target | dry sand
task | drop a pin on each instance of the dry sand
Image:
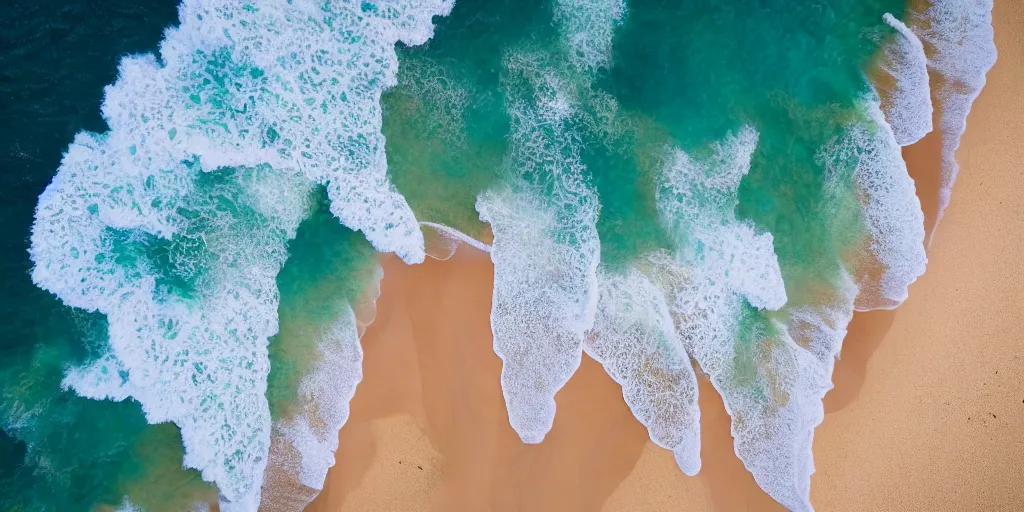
(927, 414)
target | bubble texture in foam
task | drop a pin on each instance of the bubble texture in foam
(198, 357)
(635, 338)
(908, 104)
(958, 37)
(773, 370)
(305, 442)
(128, 506)
(697, 202)
(723, 272)
(588, 27)
(774, 387)
(145, 224)
(545, 249)
(869, 153)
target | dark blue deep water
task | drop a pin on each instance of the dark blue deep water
(55, 59)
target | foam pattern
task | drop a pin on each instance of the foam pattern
(635, 338)
(545, 249)
(773, 390)
(772, 371)
(960, 43)
(308, 439)
(869, 154)
(175, 222)
(128, 506)
(697, 202)
(588, 27)
(448, 239)
(724, 273)
(909, 102)
(195, 355)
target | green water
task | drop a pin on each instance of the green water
(681, 74)
(329, 268)
(58, 451)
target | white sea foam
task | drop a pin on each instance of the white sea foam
(909, 103)
(773, 371)
(325, 393)
(309, 439)
(796, 352)
(128, 506)
(869, 154)
(446, 240)
(588, 27)
(723, 270)
(303, 443)
(960, 44)
(634, 337)
(545, 249)
(776, 401)
(201, 362)
(288, 93)
(697, 202)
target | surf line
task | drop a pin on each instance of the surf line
(457, 235)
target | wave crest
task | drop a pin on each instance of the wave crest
(175, 222)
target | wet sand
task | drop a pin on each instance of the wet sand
(928, 410)
(927, 414)
(428, 421)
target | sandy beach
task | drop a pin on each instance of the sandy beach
(927, 413)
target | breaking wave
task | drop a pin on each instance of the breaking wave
(668, 202)
(175, 223)
(961, 49)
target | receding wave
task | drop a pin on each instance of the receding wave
(908, 102)
(961, 49)
(635, 338)
(670, 196)
(545, 250)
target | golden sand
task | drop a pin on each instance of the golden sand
(927, 414)
(928, 411)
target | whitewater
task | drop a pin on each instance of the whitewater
(258, 128)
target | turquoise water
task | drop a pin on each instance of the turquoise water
(596, 108)
(669, 184)
(59, 451)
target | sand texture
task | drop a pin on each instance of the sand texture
(927, 414)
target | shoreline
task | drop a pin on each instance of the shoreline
(938, 394)
(924, 414)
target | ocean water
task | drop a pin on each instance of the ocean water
(195, 196)
(58, 450)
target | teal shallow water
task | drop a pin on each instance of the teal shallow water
(683, 72)
(667, 181)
